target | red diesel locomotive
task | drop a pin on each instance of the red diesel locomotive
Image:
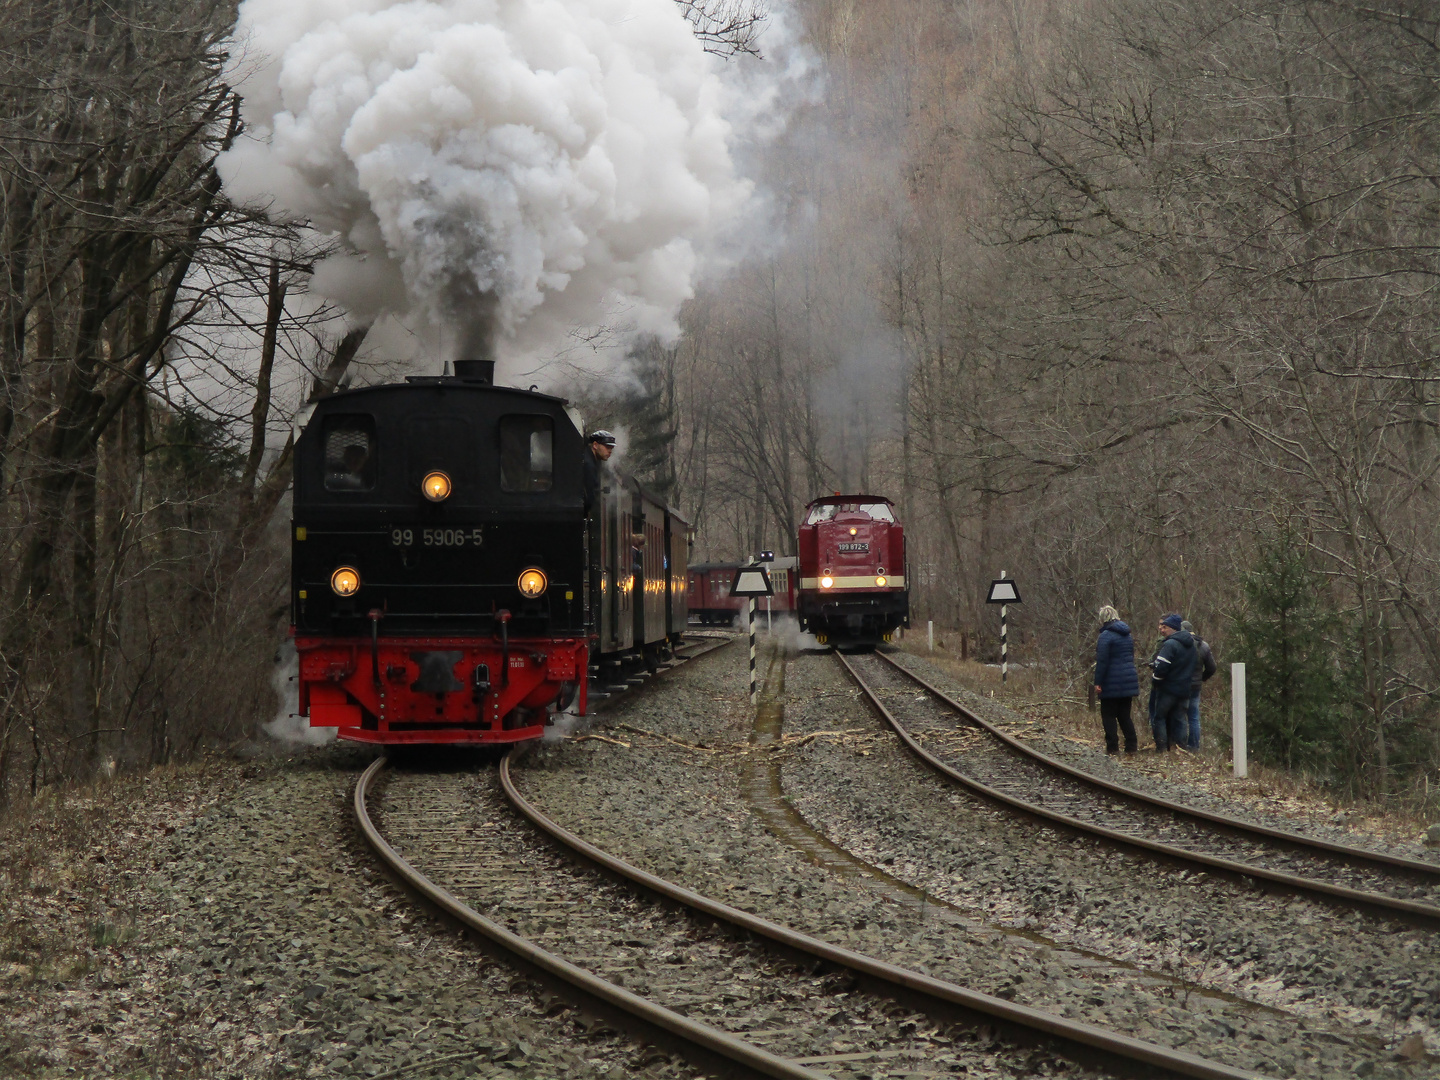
(449, 583)
(852, 571)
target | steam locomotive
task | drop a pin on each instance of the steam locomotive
(852, 570)
(448, 583)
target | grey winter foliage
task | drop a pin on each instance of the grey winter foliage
(157, 339)
(1161, 277)
(1099, 294)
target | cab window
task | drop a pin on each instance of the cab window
(820, 513)
(350, 463)
(878, 511)
(527, 453)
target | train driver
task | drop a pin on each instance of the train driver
(598, 448)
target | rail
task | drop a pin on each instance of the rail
(1393, 906)
(1087, 1038)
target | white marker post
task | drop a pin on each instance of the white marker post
(750, 582)
(930, 634)
(1004, 593)
(1237, 720)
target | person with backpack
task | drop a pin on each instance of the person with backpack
(1117, 684)
(1205, 667)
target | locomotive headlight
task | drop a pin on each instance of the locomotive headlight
(826, 582)
(436, 486)
(345, 581)
(853, 531)
(532, 583)
(880, 581)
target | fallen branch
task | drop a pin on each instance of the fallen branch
(602, 738)
(667, 738)
(789, 741)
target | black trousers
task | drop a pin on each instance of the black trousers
(1115, 711)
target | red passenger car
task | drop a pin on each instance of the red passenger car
(852, 570)
(709, 600)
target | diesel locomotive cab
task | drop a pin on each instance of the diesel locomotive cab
(853, 585)
(439, 571)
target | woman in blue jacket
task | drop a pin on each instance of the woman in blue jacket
(1116, 681)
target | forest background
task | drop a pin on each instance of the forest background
(1135, 299)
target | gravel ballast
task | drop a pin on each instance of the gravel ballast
(1184, 778)
(461, 833)
(679, 811)
(1323, 962)
(238, 927)
(227, 920)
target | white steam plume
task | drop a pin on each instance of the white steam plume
(503, 168)
(289, 726)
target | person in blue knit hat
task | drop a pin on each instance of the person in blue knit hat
(1174, 665)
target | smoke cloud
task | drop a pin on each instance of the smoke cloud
(288, 725)
(507, 169)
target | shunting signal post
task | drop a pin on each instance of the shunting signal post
(1004, 593)
(750, 582)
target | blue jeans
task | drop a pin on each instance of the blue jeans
(1171, 723)
(1194, 743)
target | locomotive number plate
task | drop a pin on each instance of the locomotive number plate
(854, 547)
(435, 537)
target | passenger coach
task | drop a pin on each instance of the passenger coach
(711, 604)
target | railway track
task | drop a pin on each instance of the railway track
(990, 762)
(716, 983)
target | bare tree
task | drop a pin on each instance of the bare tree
(726, 27)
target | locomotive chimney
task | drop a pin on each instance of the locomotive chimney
(481, 371)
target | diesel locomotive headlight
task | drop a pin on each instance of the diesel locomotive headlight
(345, 581)
(880, 581)
(436, 486)
(532, 583)
(853, 531)
(826, 582)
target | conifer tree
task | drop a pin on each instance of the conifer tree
(1285, 635)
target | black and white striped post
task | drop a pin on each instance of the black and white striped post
(1004, 640)
(1004, 593)
(750, 582)
(750, 620)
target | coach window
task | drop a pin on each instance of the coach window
(349, 453)
(527, 453)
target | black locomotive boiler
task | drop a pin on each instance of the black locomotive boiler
(448, 584)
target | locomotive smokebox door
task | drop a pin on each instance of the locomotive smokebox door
(437, 672)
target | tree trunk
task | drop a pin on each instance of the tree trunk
(260, 413)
